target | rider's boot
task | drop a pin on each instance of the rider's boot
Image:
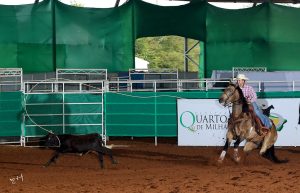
(260, 129)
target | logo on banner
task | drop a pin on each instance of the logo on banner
(195, 121)
(278, 121)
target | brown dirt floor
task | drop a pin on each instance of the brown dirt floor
(144, 167)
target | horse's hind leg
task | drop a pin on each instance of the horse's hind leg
(269, 140)
(249, 146)
(270, 155)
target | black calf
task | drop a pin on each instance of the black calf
(76, 144)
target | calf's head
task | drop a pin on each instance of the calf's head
(51, 140)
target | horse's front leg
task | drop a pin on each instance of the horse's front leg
(224, 151)
(229, 138)
(236, 156)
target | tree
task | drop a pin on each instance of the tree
(166, 52)
(76, 4)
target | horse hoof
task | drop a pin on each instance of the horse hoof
(220, 161)
(237, 159)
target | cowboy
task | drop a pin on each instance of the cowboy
(251, 98)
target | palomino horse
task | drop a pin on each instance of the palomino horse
(241, 126)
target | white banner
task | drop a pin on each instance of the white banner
(203, 122)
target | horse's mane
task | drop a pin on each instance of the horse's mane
(245, 107)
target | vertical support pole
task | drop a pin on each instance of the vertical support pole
(53, 33)
(22, 86)
(23, 134)
(201, 68)
(293, 85)
(130, 86)
(204, 52)
(103, 113)
(63, 103)
(186, 61)
(155, 116)
(56, 74)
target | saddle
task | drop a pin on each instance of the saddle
(260, 128)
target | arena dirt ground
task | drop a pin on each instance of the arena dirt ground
(143, 167)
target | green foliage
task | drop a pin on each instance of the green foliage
(166, 52)
(76, 4)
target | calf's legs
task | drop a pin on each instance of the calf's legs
(52, 159)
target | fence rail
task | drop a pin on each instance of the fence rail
(194, 85)
(99, 106)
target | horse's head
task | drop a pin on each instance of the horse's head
(230, 95)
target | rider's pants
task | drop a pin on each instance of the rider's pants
(264, 119)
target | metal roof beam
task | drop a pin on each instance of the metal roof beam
(117, 3)
(246, 1)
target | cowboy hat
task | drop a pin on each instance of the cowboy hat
(241, 77)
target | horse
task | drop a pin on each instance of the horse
(242, 126)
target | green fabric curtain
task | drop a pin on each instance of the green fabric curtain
(237, 38)
(11, 113)
(26, 37)
(94, 38)
(262, 36)
(284, 38)
(266, 35)
(186, 20)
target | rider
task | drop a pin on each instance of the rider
(251, 97)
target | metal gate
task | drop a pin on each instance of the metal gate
(63, 107)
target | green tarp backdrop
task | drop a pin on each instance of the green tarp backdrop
(48, 35)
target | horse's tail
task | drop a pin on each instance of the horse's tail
(270, 155)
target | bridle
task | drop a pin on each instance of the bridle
(236, 102)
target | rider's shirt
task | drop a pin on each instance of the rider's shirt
(249, 93)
